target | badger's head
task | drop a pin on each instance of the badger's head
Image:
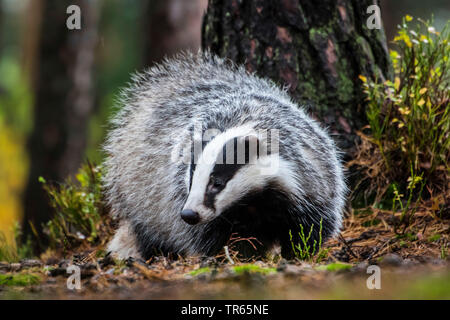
(234, 164)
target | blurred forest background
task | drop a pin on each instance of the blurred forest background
(57, 86)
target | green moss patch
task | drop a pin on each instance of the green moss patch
(19, 279)
(252, 268)
(334, 267)
(199, 271)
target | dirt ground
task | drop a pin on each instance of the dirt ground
(400, 279)
(412, 265)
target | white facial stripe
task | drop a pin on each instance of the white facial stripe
(252, 177)
(205, 165)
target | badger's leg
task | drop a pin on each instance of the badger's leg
(123, 244)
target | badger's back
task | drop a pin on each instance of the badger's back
(159, 112)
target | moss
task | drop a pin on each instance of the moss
(314, 33)
(345, 84)
(403, 244)
(364, 48)
(320, 38)
(225, 45)
(302, 17)
(199, 271)
(252, 268)
(434, 237)
(100, 253)
(311, 87)
(371, 223)
(336, 266)
(25, 279)
(407, 236)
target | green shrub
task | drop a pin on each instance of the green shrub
(307, 250)
(79, 216)
(408, 145)
(13, 252)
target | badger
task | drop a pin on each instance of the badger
(201, 152)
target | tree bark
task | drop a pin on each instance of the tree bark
(30, 38)
(317, 48)
(63, 102)
(173, 26)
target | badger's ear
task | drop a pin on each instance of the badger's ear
(247, 149)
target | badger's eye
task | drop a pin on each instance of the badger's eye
(216, 182)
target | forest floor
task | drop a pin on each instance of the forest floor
(413, 265)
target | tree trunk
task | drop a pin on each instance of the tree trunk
(63, 102)
(317, 48)
(30, 38)
(173, 25)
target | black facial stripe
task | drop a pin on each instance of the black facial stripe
(209, 199)
(224, 171)
(191, 175)
(221, 174)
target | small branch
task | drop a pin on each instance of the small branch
(227, 255)
(347, 245)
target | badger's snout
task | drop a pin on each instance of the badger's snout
(190, 216)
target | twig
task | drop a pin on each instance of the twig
(227, 255)
(233, 240)
(349, 248)
(377, 249)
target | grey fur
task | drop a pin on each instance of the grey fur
(144, 187)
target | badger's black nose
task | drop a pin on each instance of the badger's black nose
(190, 216)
